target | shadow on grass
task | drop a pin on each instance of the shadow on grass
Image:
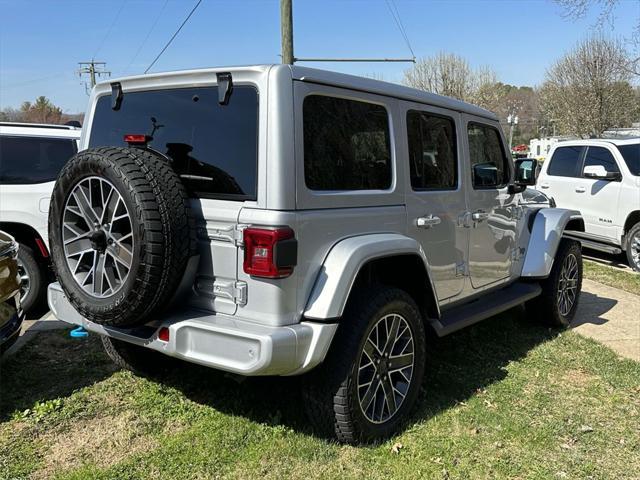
(50, 366)
(459, 365)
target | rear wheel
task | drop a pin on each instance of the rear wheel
(633, 247)
(121, 234)
(33, 285)
(371, 377)
(140, 360)
(557, 304)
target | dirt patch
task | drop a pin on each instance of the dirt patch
(103, 441)
(577, 378)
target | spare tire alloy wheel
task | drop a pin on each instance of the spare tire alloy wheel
(121, 234)
(98, 237)
(385, 368)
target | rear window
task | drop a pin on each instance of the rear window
(25, 160)
(214, 148)
(346, 144)
(564, 162)
(631, 155)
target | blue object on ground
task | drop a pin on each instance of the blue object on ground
(79, 332)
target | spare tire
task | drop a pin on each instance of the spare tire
(121, 233)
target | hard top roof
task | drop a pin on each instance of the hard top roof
(326, 77)
(39, 129)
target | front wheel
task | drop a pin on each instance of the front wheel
(633, 247)
(557, 304)
(371, 377)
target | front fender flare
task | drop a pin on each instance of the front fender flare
(338, 272)
(548, 226)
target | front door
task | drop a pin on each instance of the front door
(597, 199)
(493, 211)
(435, 195)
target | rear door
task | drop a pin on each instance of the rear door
(213, 148)
(435, 199)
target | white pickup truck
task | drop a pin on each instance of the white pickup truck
(601, 179)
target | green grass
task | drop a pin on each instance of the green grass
(503, 399)
(627, 281)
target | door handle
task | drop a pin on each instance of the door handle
(544, 185)
(581, 189)
(479, 216)
(427, 222)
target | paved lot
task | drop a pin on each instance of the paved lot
(610, 316)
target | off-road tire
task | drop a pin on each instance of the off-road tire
(633, 242)
(140, 360)
(37, 279)
(544, 308)
(329, 392)
(162, 225)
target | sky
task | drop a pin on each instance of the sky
(42, 41)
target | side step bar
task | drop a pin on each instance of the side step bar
(486, 306)
(601, 247)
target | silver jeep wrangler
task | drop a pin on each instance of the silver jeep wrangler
(280, 220)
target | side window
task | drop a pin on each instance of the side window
(346, 144)
(489, 165)
(601, 156)
(564, 162)
(432, 151)
(25, 160)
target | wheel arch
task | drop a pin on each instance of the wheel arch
(358, 261)
(547, 230)
(632, 219)
(27, 235)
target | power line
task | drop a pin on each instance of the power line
(174, 35)
(144, 42)
(398, 21)
(115, 19)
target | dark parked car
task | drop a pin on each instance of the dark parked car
(11, 314)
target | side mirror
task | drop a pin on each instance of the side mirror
(598, 172)
(526, 171)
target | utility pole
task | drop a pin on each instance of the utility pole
(286, 31)
(512, 120)
(93, 69)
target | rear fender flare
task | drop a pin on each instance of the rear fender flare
(343, 263)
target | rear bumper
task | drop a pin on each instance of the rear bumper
(223, 342)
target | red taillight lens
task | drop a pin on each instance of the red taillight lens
(269, 252)
(163, 334)
(136, 139)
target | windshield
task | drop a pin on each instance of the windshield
(631, 155)
(213, 147)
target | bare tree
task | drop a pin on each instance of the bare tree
(587, 91)
(577, 9)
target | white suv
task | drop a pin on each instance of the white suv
(601, 179)
(31, 155)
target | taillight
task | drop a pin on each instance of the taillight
(269, 252)
(163, 334)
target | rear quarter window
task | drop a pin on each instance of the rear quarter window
(346, 144)
(213, 147)
(27, 160)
